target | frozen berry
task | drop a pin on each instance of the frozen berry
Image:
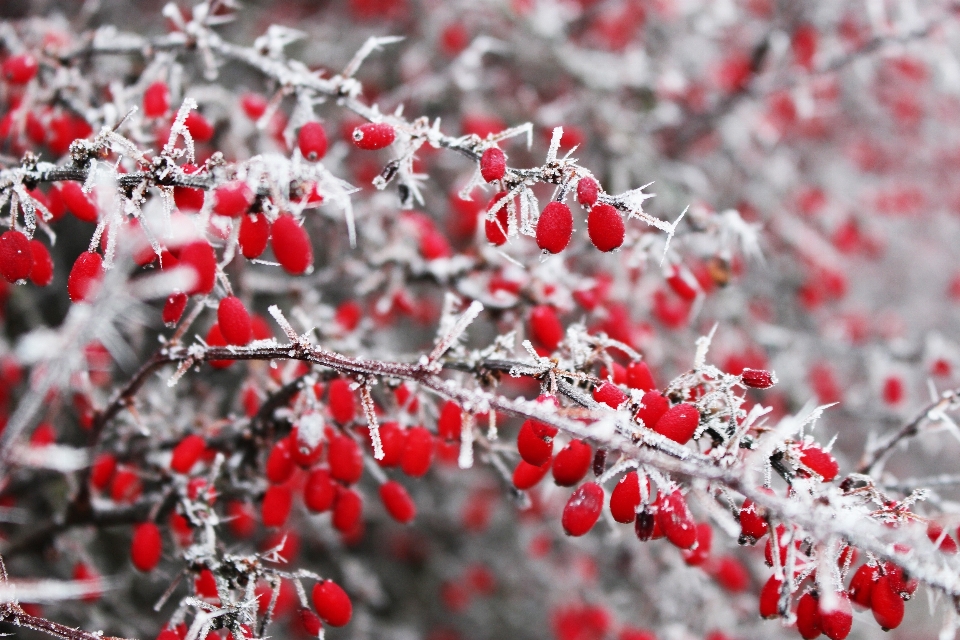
(677, 521)
(554, 227)
(605, 227)
(85, 277)
(16, 256)
(332, 603)
(173, 308)
(640, 377)
(582, 509)
(679, 422)
(653, 405)
(79, 203)
(253, 236)
(587, 192)
(234, 321)
(374, 135)
(232, 199)
(41, 273)
(610, 395)
(758, 378)
(200, 257)
(493, 164)
(572, 463)
(312, 141)
(291, 245)
(626, 497)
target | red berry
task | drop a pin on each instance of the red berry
(653, 405)
(836, 616)
(610, 395)
(291, 245)
(640, 377)
(280, 464)
(392, 440)
(944, 542)
(80, 204)
(254, 105)
(819, 461)
(214, 338)
(347, 509)
(554, 227)
(450, 422)
(206, 585)
(605, 227)
(770, 598)
(200, 257)
(496, 230)
(41, 274)
(186, 453)
(173, 308)
(887, 605)
(346, 459)
(277, 502)
(85, 276)
(20, 69)
(417, 452)
(126, 486)
(332, 603)
(677, 521)
(242, 521)
(493, 164)
(146, 546)
(199, 127)
(156, 100)
(234, 321)
(535, 442)
(701, 552)
(374, 135)
(319, 491)
(310, 621)
(808, 616)
(232, 199)
(312, 141)
(102, 470)
(397, 501)
(254, 233)
(587, 192)
(679, 422)
(82, 571)
(582, 509)
(342, 401)
(758, 378)
(625, 498)
(753, 524)
(545, 327)
(16, 256)
(526, 476)
(572, 463)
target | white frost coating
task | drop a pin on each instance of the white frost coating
(41, 591)
(56, 457)
(310, 429)
(465, 459)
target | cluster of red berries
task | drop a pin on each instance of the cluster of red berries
(555, 225)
